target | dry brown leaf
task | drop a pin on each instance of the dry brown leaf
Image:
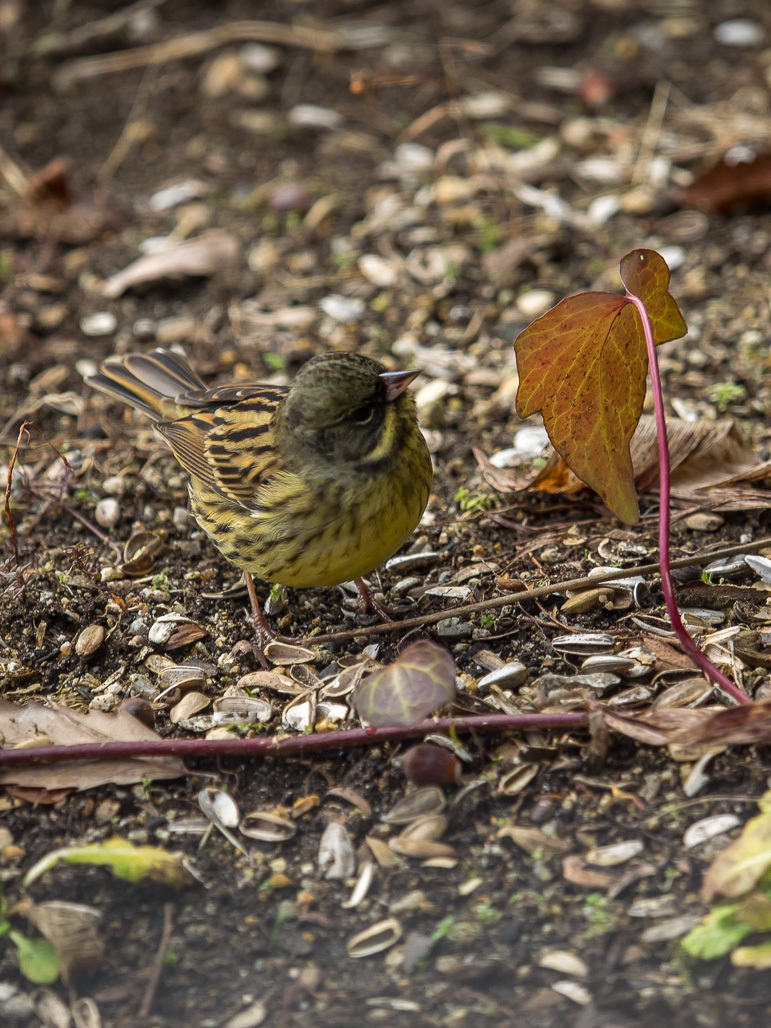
(203, 256)
(747, 724)
(657, 727)
(709, 461)
(65, 727)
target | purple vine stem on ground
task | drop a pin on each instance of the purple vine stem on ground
(690, 647)
(272, 746)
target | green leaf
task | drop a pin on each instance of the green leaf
(740, 866)
(419, 681)
(37, 959)
(126, 861)
(758, 957)
(717, 934)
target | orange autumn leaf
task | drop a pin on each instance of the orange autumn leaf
(583, 365)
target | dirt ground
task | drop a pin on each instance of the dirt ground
(486, 159)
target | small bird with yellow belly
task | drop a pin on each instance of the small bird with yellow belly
(309, 485)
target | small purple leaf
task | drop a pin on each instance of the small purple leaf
(419, 681)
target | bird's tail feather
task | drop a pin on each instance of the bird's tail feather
(149, 382)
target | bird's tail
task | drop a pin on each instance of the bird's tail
(155, 383)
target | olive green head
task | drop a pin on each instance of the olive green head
(344, 407)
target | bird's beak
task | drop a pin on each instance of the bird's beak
(396, 382)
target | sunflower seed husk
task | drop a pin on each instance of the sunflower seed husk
(607, 663)
(728, 567)
(584, 643)
(244, 707)
(89, 640)
(518, 778)
(424, 849)
(565, 962)
(634, 696)
(615, 853)
(427, 800)
(285, 653)
(300, 714)
(760, 565)
(347, 680)
(430, 826)
(690, 693)
(269, 680)
(361, 888)
(162, 630)
(381, 851)
(192, 703)
(219, 807)
(336, 857)
(597, 682)
(700, 617)
(708, 828)
(181, 676)
(375, 939)
(267, 826)
(139, 553)
(408, 561)
(509, 676)
(304, 676)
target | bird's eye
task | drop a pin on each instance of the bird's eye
(363, 415)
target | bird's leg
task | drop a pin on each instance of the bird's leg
(366, 601)
(264, 632)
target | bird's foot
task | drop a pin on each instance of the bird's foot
(366, 603)
(264, 632)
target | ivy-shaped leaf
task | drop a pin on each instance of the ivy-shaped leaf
(420, 680)
(583, 365)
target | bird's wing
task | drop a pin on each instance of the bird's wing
(228, 445)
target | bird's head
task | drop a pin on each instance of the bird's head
(345, 407)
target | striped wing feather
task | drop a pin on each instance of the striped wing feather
(230, 447)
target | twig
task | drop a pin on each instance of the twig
(92, 30)
(8, 484)
(286, 746)
(651, 132)
(532, 594)
(157, 967)
(128, 136)
(195, 44)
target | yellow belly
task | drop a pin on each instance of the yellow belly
(309, 538)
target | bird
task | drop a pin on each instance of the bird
(308, 485)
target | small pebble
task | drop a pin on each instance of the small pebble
(378, 270)
(454, 628)
(314, 117)
(342, 308)
(175, 330)
(144, 329)
(260, 59)
(704, 522)
(107, 512)
(740, 32)
(114, 486)
(103, 323)
(174, 195)
(180, 517)
(535, 302)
